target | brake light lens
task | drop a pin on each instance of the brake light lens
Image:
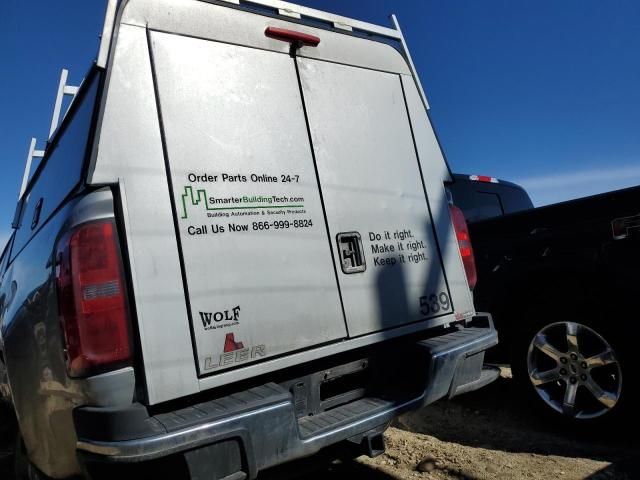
(292, 36)
(464, 242)
(92, 299)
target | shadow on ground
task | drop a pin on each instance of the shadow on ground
(496, 418)
(323, 468)
(476, 428)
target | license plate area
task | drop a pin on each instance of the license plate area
(330, 388)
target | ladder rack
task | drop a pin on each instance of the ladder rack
(33, 153)
(63, 90)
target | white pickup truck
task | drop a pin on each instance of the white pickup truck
(237, 250)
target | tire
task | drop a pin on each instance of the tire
(573, 369)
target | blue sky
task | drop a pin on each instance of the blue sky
(545, 93)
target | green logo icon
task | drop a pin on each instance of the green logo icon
(200, 196)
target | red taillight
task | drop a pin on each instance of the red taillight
(92, 299)
(292, 36)
(464, 242)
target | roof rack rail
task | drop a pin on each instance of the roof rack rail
(63, 89)
(33, 153)
(338, 21)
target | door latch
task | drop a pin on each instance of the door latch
(351, 252)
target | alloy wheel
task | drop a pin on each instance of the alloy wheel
(574, 370)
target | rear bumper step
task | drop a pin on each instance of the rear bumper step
(260, 424)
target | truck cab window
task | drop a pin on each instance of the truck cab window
(485, 205)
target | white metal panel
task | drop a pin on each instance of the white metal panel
(436, 173)
(230, 25)
(107, 33)
(310, 13)
(298, 10)
(371, 184)
(256, 254)
(129, 152)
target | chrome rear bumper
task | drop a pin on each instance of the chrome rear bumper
(260, 424)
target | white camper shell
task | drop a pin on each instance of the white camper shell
(294, 276)
(239, 167)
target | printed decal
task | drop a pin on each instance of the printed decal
(234, 352)
(232, 205)
(223, 319)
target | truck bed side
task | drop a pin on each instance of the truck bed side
(582, 249)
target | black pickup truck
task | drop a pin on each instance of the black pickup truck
(562, 282)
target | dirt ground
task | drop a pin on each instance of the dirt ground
(484, 435)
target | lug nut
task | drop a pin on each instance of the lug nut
(583, 377)
(584, 365)
(563, 371)
(574, 357)
(563, 360)
(573, 380)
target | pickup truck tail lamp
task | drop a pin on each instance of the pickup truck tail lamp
(92, 299)
(464, 242)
